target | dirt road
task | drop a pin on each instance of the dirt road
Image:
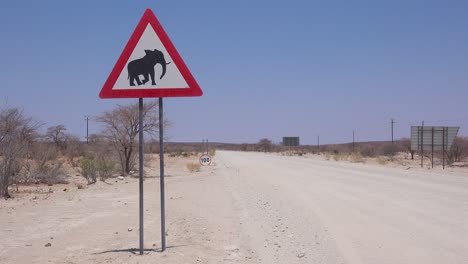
(249, 208)
(351, 213)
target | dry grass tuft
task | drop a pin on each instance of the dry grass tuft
(356, 157)
(340, 156)
(381, 160)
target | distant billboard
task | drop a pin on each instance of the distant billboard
(432, 137)
(291, 141)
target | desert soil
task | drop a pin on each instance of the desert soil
(247, 208)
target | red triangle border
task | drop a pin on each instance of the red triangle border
(193, 87)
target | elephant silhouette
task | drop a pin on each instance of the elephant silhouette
(145, 66)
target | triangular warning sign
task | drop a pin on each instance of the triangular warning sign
(150, 66)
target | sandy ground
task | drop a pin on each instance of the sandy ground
(248, 208)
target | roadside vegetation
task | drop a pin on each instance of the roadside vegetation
(29, 156)
(381, 152)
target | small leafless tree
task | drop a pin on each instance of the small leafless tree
(121, 129)
(74, 149)
(265, 145)
(404, 144)
(17, 133)
(56, 134)
(459, 150)
(42, 166)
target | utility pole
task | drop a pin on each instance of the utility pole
(353, 140)
(204, 146)
(318, 144)
(422, 144)
(392, 121)
(87, 129)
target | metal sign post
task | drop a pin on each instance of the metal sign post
(151, 46)
(161, 174)
(433, 138)
(432, 148)
(443, 148)
(422, 144)
(140, 169)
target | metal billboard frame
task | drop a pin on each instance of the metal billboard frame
(433, 138)
(291, 141)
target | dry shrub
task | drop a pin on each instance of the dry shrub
(50, 173)
(193, 167)
(148, 160)
(92, 168)
(339, 156)
(327, 156)
(292, 153)
(368, 151)
(381, 160)
(336, 157)
(89, 170)
(179, 153)
(74, 149)
(388, 150)
(356, 157)
(402, 162)
(44, 167)
(105, 168)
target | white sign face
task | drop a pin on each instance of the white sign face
(144, 68)
(432, 137)
(205, 160)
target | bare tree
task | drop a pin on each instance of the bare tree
(57, 135)
(17, 133)
(121, 129)
(74, 149)
(459, 150)
(265, 145)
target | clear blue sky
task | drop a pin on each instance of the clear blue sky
(267, 68)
